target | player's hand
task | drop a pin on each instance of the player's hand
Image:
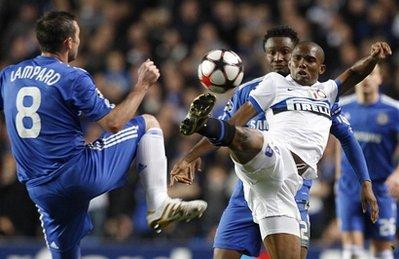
(393, 184)
(369, 201)
(184, 171)
(380, 50)
(148, 73)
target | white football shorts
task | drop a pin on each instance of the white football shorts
(271, 181)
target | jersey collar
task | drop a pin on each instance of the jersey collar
(48, 58)
(290, 79)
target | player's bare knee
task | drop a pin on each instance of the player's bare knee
(150, 121)
(247, 139)
(240, 139)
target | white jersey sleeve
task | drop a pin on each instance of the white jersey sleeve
(264, 94)
(331, 89)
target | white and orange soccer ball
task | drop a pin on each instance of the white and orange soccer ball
(220, 70)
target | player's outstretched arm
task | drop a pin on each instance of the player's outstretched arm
(361, 69)
(342, 131)
(114, 121)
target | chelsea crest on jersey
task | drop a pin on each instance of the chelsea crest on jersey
(301, 114)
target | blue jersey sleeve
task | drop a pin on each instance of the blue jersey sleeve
(342, 131)
(88, 99)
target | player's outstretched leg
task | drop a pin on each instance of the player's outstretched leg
(152, 167)
(244, 143)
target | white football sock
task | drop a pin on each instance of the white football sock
(347, 252)
(152, 166)
(359, 252)
(353, 251)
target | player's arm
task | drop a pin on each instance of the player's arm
(115, 120)
(246, 112)
(362, 68)
(342, 131)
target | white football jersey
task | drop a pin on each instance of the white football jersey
(301, 115)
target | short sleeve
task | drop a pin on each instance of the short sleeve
(263, 95)
(332, 90)
(88, 99)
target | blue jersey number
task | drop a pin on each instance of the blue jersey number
(28, 112)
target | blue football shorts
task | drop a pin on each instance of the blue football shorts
(101, 167)
(351, 217)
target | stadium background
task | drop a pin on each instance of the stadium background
(116, 36)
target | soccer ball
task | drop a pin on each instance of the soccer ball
(220, 70)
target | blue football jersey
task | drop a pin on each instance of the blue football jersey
(43, 99)
(376, 127)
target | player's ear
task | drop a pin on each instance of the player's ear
(68, 43)
(322, 69)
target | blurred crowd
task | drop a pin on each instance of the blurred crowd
(118, 35)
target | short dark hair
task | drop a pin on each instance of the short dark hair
(53, 28)
(281, 31)
(314, 45)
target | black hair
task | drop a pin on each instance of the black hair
(281, 31)
(53, 28)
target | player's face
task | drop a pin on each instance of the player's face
(306, 64)
(278, 53)
(74, 43)
(371, 83)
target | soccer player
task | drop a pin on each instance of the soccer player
(237, 233)
(43, 99)
(269, 163)
(374, 119)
